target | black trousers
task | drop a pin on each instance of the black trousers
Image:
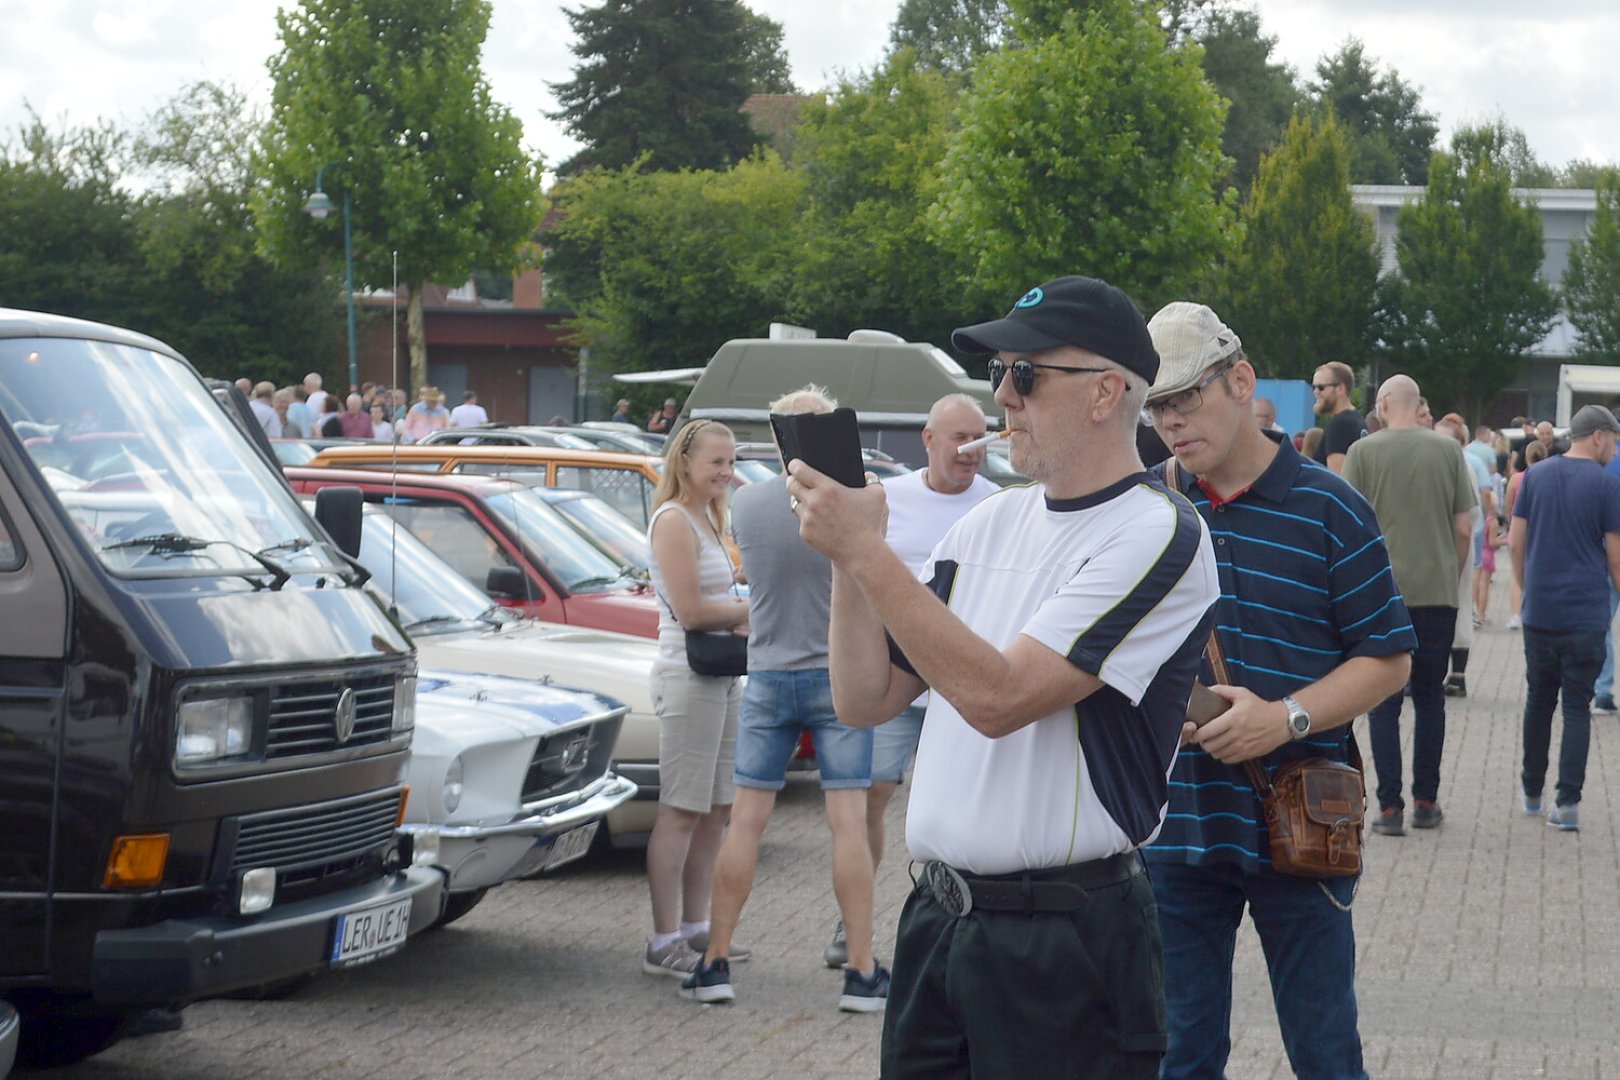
(1002, 994)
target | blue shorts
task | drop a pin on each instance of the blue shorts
(894, 743)
(776, 707)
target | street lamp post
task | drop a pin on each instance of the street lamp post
(318, 207)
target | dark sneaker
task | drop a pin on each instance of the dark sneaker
(699, 943)
(865, 993)
(1426, 814)
(1567, 818)
(710, 983)
(1603, 704)
(676, 958)
(1532, 803)
(1390, 822)
(836, 954)
(1456, 686)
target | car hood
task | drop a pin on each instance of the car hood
(616, 665)
(484, 707)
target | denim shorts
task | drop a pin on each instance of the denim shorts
(776, 707)
(894, 743)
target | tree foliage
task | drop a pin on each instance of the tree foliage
(1467, 301)
(1261, 92)
(1592, 281)
(1299, 287)
(390, 98)
(1391, 137)
(948, 35)
(662, 82)
(768, 69)
(870, 157)
(1088, 148)
(661, 267)
(1500, 141)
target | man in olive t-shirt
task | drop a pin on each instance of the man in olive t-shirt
(1418, 486)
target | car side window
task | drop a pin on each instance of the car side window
(10, 554)
(455, 536)
(626, 490)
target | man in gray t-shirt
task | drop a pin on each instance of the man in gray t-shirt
(789, 692)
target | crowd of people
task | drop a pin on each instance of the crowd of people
(385, 413)
(1083, 852)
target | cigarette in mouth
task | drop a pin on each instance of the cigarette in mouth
(984, 441)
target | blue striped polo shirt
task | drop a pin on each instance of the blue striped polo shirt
(1305, 585)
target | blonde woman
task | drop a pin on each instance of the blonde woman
(697, 714)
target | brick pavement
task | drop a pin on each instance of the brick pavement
(1489, 948)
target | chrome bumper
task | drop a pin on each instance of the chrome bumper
(547, 817)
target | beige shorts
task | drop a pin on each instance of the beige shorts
(697, 737)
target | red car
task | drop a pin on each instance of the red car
(506, 541)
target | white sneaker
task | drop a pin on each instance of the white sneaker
(1515, 623)
(676, 958)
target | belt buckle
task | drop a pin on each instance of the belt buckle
(950, 888)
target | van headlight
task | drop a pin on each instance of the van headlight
(404, 705)
(453, 785)
(211, 729)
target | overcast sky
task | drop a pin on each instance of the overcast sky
(1548, 66)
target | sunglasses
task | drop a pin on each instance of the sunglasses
(1023, 373)
(1323, 387)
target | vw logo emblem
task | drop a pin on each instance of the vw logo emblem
(343, 716)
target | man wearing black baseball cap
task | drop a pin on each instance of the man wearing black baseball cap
(1060, 633)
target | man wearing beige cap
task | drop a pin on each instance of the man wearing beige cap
(1565, 544)
(1313, 633)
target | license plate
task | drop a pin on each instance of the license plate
(371, 933)
(571, 845)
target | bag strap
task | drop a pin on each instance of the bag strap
(718, 543)
(1217, 665)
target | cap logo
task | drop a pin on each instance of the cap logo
(1031, 298)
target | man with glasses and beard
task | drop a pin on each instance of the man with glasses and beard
(1332, 385)
(1314, 633)
(1059, 627)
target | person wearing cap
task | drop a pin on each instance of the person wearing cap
(1058, 627)
(662, 421)
(1314, 633)
(1420, 488)
(426, 416)
(1565, 544)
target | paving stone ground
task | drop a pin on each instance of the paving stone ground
(1489, 949)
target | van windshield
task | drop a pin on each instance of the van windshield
(148, 466)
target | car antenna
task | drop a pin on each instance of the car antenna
(393, 449)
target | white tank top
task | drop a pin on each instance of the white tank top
(714, 580)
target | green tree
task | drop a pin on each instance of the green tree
(948, 35)
(1299, 287)
(1088, 148)
(768, 69)
(1502, 142)
(662, 267)
(390, 98)
(1582, 173)
(1261, 91)
(1467, 301)
(870, 158)
(658, 79)
(68, 241)
(214, 295)
(1592, 281)
(1390, 135)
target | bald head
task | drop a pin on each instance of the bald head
(1398, 400)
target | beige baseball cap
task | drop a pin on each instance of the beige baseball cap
(1190, 339)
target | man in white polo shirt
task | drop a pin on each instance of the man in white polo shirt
(1060, 632)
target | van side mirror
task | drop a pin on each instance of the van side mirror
(508, 581)
(339, 511)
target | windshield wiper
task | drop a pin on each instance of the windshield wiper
(495, 615)
(431, 620)
(173, 543)
(592, 582)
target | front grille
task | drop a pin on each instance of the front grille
(568, 760)
(302, 715)
(309, 843)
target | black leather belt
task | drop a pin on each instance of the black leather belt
(1058, 888)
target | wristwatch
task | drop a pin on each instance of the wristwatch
(1299, 721)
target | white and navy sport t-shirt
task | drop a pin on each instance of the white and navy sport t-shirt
(1122, 583)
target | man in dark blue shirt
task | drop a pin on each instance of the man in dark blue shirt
(1565, 543)
(1314, 633)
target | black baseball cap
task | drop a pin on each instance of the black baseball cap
(1071, 310)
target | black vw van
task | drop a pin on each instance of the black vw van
(204, 720)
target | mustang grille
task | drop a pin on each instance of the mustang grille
(307, 843)
(569, 760)
(302, 715)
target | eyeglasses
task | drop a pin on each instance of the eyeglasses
(1322, 388)
(1189, 399)
(1023, 373)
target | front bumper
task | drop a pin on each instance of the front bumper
(182, 960)
(478, 856)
